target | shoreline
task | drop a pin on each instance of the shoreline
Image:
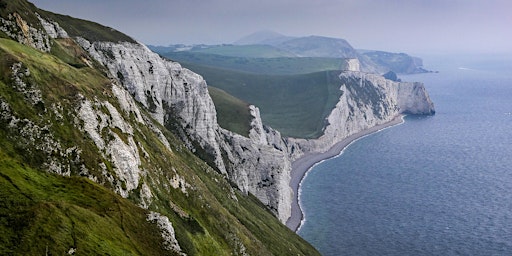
(303, 165)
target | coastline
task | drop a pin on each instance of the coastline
(303, 165)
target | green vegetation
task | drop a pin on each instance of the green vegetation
(294, 94)
(44, 213)
(272, 66)
(75, 27)
(91, 31)
(232, 113)
(295, 105)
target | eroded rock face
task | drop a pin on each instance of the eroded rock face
(367, 100)
(17, 28)
(177, 96)
(178, 99)
(260, 164)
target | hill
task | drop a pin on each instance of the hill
(295, 105)
(86, 167)
(271, 66)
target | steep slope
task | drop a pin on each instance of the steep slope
(133, 94)
(65, 112)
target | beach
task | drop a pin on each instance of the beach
(302, 165)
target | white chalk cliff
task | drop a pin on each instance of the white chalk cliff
(178, 99)
(260, 164)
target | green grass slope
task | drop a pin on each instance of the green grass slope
(258, 65)
(296, 105)
(232, 113)
(43, 212)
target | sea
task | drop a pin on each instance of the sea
(434, 185)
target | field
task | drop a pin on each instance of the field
(295, 105)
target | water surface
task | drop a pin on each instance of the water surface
(439, 185)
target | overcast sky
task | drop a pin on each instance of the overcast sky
(413, 26)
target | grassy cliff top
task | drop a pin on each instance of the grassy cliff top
(89, 30)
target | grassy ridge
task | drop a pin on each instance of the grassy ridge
(294, 94)
(232, 113)
(45, 213)
(296, 105)
(273, 66)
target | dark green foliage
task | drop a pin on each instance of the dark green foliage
(232, 113)
(275, 66)
(42, 213)
(295, 105)
(91, 31)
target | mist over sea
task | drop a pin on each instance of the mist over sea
(437, 185)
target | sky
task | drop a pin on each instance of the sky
(412, 26)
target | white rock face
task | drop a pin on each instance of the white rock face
(167, 231)
(260, 164)
(177, 96)
(124, 155)
(351, 65)
(367, 100)
(17, 28)
(52, 28)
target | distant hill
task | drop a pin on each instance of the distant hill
(296, 105)
(318, 46)
(266, 37)
(268, 44)
(275, 66)
(396, 62)
(250, 51)
(287, 78)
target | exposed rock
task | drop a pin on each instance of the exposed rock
(168, 234)
(350, 65)
(124, 154)
(367, 100)
(52, 28)
(177, 96)
(17, 28)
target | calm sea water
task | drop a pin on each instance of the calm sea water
(439, 185)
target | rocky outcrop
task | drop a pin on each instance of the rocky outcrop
(16, 27)
(367, 100)
(178, 99)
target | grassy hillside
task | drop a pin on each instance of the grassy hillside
(296, 105)
(273, 66)
(44, 213)
(232, 113)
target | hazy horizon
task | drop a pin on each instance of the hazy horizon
(412, 26)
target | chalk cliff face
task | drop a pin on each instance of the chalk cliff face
(173, 93)
(178, 99)
(260, 164)
(96, 110)
(367, 100)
